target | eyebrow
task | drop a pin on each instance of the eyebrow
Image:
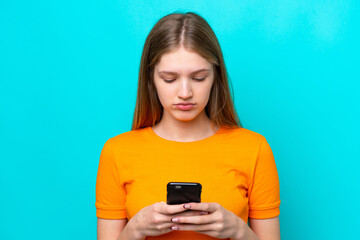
(197, 71)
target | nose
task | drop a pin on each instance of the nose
(185, 89)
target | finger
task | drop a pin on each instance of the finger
(167, 209)
(197, 228)
(195, 219)
(206, 206)
(157, 229)
(164, 226)
(189, 213)
(160, 218)
(186, 214)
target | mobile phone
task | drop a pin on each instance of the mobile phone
(183, 192)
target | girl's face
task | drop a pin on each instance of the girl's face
(183, 76)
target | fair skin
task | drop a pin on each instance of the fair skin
(187, 85)
(191, 80)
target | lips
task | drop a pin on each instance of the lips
(183, 106)
(185, 103)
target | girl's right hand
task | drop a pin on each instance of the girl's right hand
(155, 219)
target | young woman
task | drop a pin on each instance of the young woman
(185, 129)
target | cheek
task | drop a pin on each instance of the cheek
(164, 96)
(205, 95)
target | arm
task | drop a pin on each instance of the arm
(265, 229)
(110, 229)
(264, 196)
(110, 196)
(152, 220)
(259, 229)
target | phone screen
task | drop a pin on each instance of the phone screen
(183, 192)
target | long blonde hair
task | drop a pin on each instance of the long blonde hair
(195, 34)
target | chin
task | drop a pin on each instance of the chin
(185, 117)
(185, 120)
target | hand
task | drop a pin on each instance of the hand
(155, 219)
(218, 223)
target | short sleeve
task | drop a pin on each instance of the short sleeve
(264, 189)
(110, 194)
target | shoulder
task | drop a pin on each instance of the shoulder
(132, 135)
(243, 134)
(128, 138)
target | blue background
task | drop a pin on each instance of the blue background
(68, 78)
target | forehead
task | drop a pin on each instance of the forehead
(182, 61)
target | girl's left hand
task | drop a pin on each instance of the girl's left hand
(216, 221)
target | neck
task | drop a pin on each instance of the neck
(185, 131)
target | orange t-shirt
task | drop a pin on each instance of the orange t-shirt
(235, 167)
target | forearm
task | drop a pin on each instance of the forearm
(130, 232)
(244, 232)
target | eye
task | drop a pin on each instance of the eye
(169, 80)
(196, 79)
